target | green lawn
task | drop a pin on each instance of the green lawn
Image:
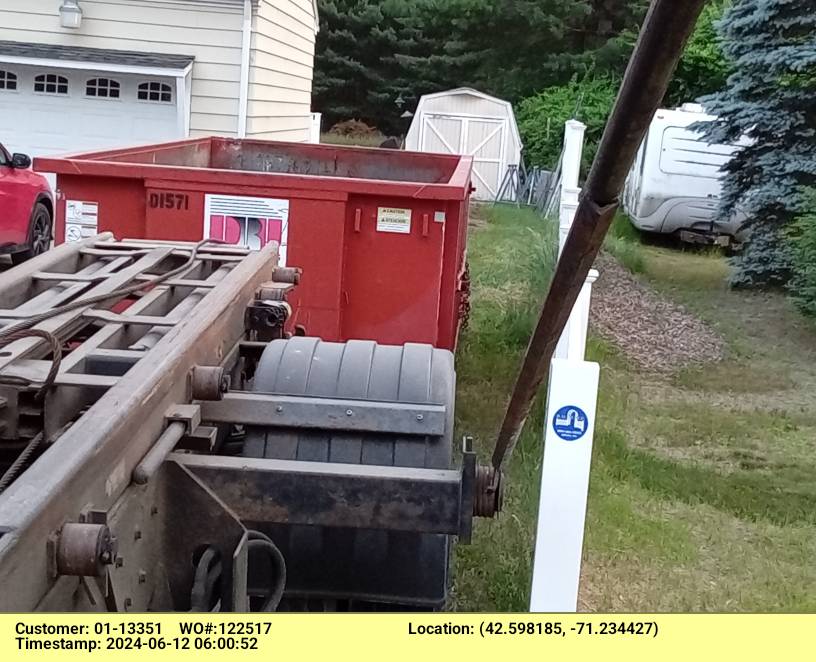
(512, 254)
(702, 493)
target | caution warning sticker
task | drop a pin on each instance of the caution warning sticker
(391, 219)
(81, 219)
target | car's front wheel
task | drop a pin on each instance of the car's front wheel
(40, 235)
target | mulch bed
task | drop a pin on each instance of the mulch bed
(658, 335)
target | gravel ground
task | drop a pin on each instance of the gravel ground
(657, 334)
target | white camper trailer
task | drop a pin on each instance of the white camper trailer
(674, 184)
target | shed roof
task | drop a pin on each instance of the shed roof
(476, 93)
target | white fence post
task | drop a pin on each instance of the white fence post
(571, 402)
(569, 204)
(578, 326)
(314, 128)
(570, 173)
(573, 149)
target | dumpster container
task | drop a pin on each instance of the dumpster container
(380, 234)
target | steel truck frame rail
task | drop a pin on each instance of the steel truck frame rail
(113, 515)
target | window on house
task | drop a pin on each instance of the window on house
(153, 91)
(102, 87)
(8, 80)
(51, 84)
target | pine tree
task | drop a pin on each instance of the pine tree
(356, 70)
(607, 32)
(440, 54)
(770, 97)
(525, 45)
(703, 69)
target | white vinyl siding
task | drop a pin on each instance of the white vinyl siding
(281, 66)
(208, 31)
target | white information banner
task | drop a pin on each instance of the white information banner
(571, 404)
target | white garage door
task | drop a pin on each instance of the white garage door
(482, 138)
(47, 111)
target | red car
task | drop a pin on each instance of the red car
(26, 208)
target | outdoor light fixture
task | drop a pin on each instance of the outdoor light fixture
(70, 14)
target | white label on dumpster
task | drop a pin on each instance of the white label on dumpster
(390, 219)
(241, 220)
(81, 219)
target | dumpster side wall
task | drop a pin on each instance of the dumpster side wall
(87, 205)
(382, 259)
(453, 274)
(392, 274)
(375, 267)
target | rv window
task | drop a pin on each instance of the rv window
(684, 153)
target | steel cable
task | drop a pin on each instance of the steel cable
(19, 463)
(262, 542)
(22, 329)
(208, 571)
(56, 352)
(115, 294)
(207, 574)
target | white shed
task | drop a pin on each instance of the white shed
(466, 121)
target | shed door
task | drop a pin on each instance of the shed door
(483, 138)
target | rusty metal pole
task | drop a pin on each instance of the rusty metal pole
(666, 28)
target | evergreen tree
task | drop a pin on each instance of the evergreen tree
(369, 54)
(356, 70)
(440, 54)
(770, 97)
(606, 34)
(703, 69)
(524, 45)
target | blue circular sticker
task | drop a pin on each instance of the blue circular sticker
(570, 423)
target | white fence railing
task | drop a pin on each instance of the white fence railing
(571, 403)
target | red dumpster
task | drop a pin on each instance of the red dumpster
(380, 234)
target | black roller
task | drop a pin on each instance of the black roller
(354, 565)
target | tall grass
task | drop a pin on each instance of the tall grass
(512, 261)
(623, 241)
(512, 258)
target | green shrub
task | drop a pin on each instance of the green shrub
(541, 118)
(802, 238)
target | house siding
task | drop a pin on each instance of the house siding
(209, 31)
(281, 66)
